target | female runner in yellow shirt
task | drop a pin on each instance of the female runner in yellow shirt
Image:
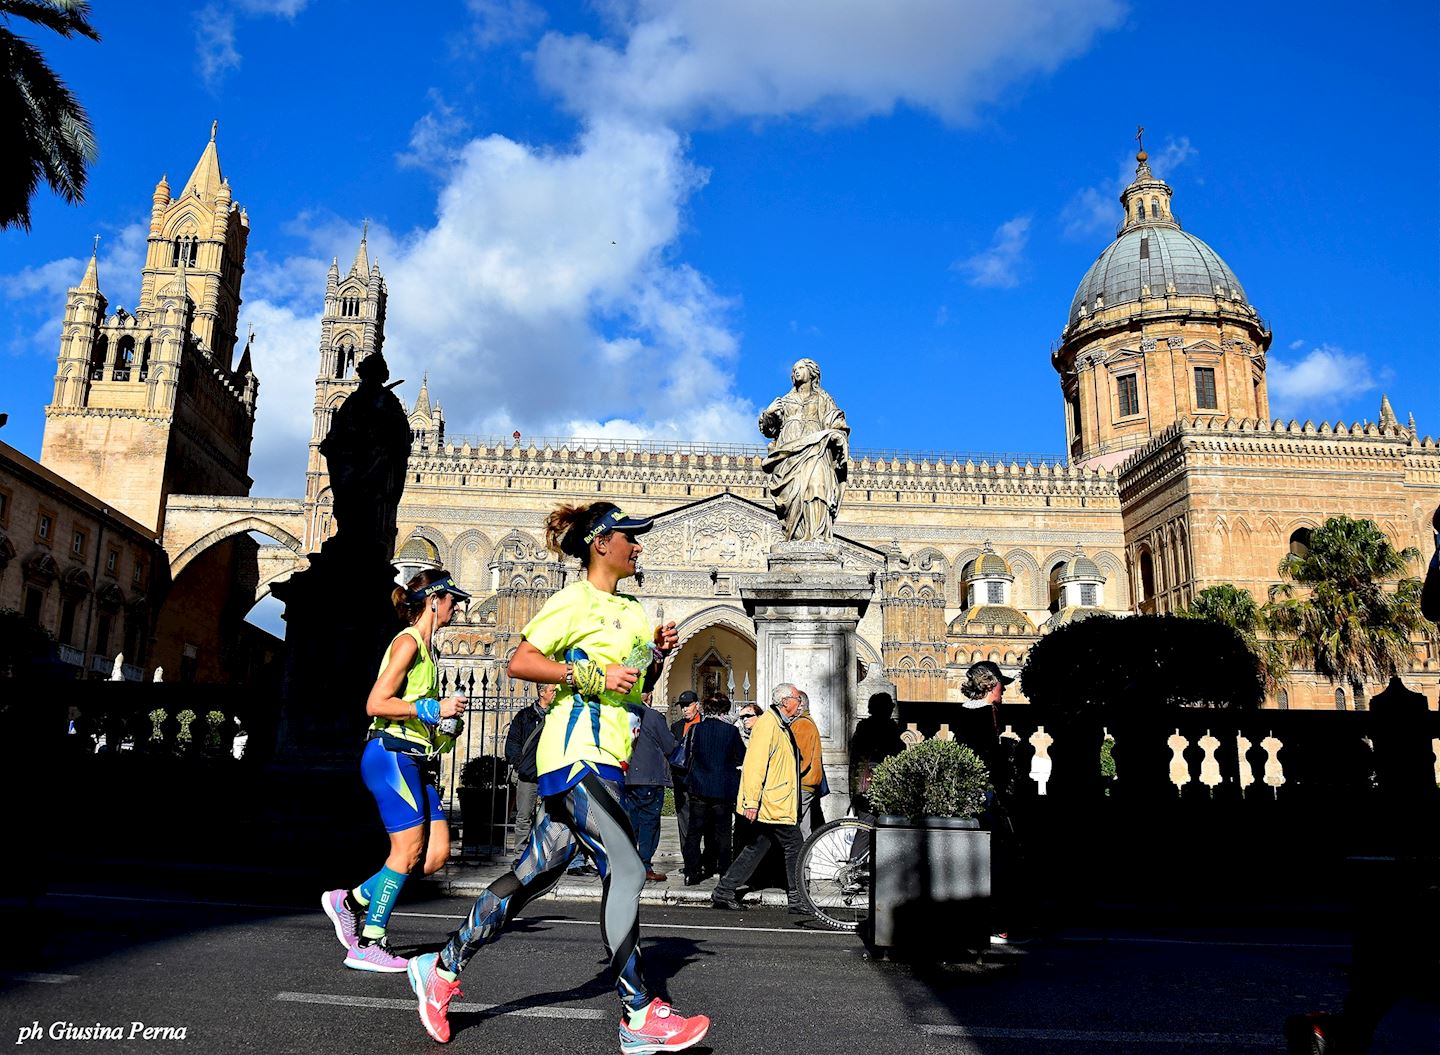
(597, 646)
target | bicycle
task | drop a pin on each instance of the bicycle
(834, 872)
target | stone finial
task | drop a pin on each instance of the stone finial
(1387, 413)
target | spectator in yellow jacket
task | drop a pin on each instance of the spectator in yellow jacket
(770, 796)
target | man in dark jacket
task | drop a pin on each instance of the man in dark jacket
(520, 753)
(715, 754)
(646, 779)
(689, 704)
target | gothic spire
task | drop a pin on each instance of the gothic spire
(362, 259)
(1387, 413)
(206, 179)
(422, 401)
(91, 282)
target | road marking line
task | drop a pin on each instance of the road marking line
(1092, 940)
(38, 976)
(387, 1004)
(454, 917)
(1101, 1036)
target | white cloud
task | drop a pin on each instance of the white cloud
(502, 21)
(1315, 383)
(998, 267)
(215, 51)
(436, 139)
(286, 354)
(685, 59)
(1096, 210)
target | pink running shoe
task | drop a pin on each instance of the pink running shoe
(375, 957)
(664, 1030)
(347, 925)
(434, 994)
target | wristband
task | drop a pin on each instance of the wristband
(428, 711)
(588, 678)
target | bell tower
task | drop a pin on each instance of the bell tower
(148, 403)
(352, 328)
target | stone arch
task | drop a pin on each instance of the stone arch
(733, 618)
(956, 584)
(930, 559)
(1029, 588)
(505, 548)
(470, 554)
(263, 588)
(1117, 582)
(230, 530)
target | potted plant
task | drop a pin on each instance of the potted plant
(484, 803)
(931, 857)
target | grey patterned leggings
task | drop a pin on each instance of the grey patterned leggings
(588, 818)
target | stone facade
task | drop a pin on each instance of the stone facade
(71, 564)
(151, 404)
(1173, 480)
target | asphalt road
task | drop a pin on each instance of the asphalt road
(244, 976)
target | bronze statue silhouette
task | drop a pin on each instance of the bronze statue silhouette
(366, 452)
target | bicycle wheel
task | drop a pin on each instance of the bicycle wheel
(834, 872)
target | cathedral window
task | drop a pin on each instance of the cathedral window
(994, 593)
(1282, 700)
(1205, 388)
(1300, 542)
(97, 358)
(1056, 574)
(1339, 699)
(1128, 388)
(124, 358)
(1087, 595)
(145, 360)
(44, 527)
(77, 544)
(965, 573)
(1154, 209)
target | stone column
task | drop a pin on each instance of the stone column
(806, 609)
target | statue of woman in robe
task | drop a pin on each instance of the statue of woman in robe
(808, 456)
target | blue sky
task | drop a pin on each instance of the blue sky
(630, 218)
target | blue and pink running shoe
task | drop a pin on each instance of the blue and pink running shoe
(375, 957)
(347, 924)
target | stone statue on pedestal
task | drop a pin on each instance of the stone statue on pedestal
(366, 451)
(808, 456)
(337, 611)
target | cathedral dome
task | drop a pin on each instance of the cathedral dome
(418, 550)
(1153, 260)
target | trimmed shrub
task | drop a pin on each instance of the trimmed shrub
(937, 778)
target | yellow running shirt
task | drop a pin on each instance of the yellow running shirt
(608, 628)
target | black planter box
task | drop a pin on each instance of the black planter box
(931, 888)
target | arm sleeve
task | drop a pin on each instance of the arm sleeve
(757, 761)
(663, 734)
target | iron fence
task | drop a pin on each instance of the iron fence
(475, 780)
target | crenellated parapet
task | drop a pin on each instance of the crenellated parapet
(737, 468)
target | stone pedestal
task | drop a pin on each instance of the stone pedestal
(806, 609)
(338, 623)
